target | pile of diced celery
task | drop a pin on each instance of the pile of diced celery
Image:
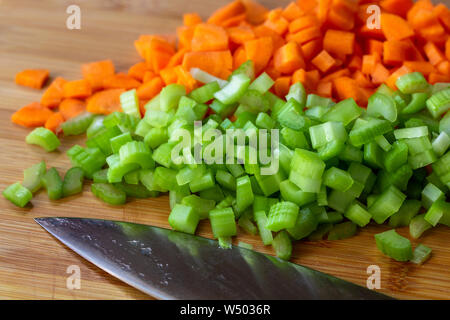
(340, 166)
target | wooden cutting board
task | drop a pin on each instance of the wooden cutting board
(33, 265)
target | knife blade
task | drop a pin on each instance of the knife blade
(167, 264)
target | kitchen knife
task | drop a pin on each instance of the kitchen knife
(168, 264)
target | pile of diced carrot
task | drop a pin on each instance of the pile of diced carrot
(325, 44)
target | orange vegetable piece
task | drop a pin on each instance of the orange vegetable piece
(185, 78)
(255, 12)
(434, 55)
(368, 63)
(177, 58)
(288, 58)
(230, 10)
(292, 11)
(138, 70)
(157, 52)
(302, 22)
(355, 63)
(339, 42)
(395, 52)
(337, 74)
(239, 57)
(324, 89)
(390, 81)
(379, 74)
(77, 89)
(281, 86)
(311, 48)
(276, 22)
(33, 78)
(150, 89)
(323, 61)
(304, 35)
(240, 34)
(105, 102)
(148, 75)
(395, 27)
(361, 79)
(95, 72)
(120, 80)
(168, 75)
(444, 67)
(435, 77)
(443, 13)
(234, 21)
(191, 19)
(54, 93)
(208, 37)
(217, 63)
(399, 7)
(54, 121)
(277, 40)
(447, 48)
(70, 108)
(260, 51)
(423, 67)
(185, 35)
(32, 115)
(341, 15)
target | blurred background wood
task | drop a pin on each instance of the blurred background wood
(33, 265)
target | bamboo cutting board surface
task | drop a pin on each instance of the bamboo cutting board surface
(33, 265)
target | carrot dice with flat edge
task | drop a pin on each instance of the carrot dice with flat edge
(259, 51)
(209, 37)
(339, 42)
(70, 108)
(53, 95)
(288, 58)
(281, 86)
(32, 115)
(395, 27)
(150, 89)
(105, 102)
(434, 55)
(78, 89)
(323, 61)
(95, 72)
(33, 78)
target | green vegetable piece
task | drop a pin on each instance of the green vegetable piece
(421, 254)
(73, 181)
(418, 226)
(183, 218)
(43, 138)
(108, 193)
(282, 245)
(394, 245)
(78, 124)
(222, 222)
(342, 230)
(18, 194)
(282, 215)
(33, 175)
(53, 183)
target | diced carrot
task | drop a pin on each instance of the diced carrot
(185, 35)
(32, 115)
(54, 121)
(120, 80)
(148, 75)
(177, 58)
(70, 108)
(434, 55)
(209, 37)
(361, 79)
(216, 63)
(394, 52)
(395, 27)
(435, 33)
(234, 21)
(369, 62)
(292, 11)
(447, 48)
(271, 71)
(240, 34)
(311, 48)
(262, 31)
(346, 87)
(337, 74)
(399, 7)
(435, 77)
(312, 78)
(340, 17)
(239, 57)
(191, 19)
(423, 67)
(379, 74)
(142, 104)
(105, 102)
(323, 61)
(277, 23)
(302, 22)
(375, 33)
(288, 58)
(339, 42)
(168, 75)
(260, 51)
(232, 9)
(255, 12)
(150, 89)
(322, 10)
(95, 72)
(33, 78)
(307, 6)
(417, 7)
(374, 46)
(304, 35)
(443, 67)
(157, 52)
(138, 70)
(281, 86)
(355, 63)
(53, 95)
(443, 13)
(185, 78)
(390, 81)
(77, 89)
(324, 89)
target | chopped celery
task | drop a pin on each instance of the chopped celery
(108, 193)
(421, 254)
(342, 230)
(43, 138)
(18, 194)
(183, 218)
(394, 245)
(33, 175)
(282, 245)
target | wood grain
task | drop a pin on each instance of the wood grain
(32, 264)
